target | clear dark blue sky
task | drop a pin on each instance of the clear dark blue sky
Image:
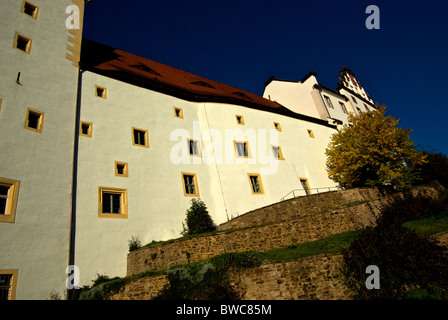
(403, 65)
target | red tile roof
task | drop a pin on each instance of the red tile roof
(146, 73)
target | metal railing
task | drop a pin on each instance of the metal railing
(309, 191)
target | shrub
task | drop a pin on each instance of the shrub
(134, 243)
(407, 262)
(198, 219)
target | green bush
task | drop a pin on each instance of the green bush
(198, 219)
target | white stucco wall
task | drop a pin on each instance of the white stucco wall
(37, 242)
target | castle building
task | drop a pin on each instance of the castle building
(99, 145)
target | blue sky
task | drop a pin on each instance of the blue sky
(403, 65)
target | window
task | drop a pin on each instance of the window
(9, 191)
(140, 137)
(86, 129)
(22, 43)
(1, 102)
(278, 154)
(310, 133)
(121, 169)
(112, 203)
(305, 185)
(193, 148)
(277, 126)
(34, 120)
(178, 113)
(354, 100)
(100, 92)
(190, 184)
(203, 84)
(30, 9)
(241, 94)
(242, 149)
(344, 109)
(328, 102)
(239, 119)
(8, 284)
(255, 183)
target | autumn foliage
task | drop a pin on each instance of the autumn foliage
(373, 151)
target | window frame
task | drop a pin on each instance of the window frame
(11, 199)
(310, 133)
(198, 148)
(40, 124)
(259, 181)
(180, 111)
(195, 183)
(123, 203)
(240, 120)
(307, 183)
(90, 129)
(277, 126)
(343, 107)
(13, 285)
(28, 45)
(246, 143)
(328, 102)
(146, 145)
(125, 173)
(104, 90)
(36, 9)
(279, 151)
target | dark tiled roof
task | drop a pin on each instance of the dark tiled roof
(146, 73)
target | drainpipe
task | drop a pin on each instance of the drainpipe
(71, 251)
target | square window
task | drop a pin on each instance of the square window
(239, 119)
(310, 133)
(112, 203)
(178, 113)
(278, 154)
(8, 284)
(22, 43)
(242, 149)
(34, 120)
(328, 102)
(86, 129)
(140, 137)
(256, 183)
(100, 92)
(30, 9)
(9, 191)
(193, 148)
(277, 126)
(190, 184)
(121, 169)
(305, 186)
(344, 109)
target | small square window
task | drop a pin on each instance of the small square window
(178, 113)
(100, 92)
(190, 184)
(310, 133)
(328, 102)
(112, 203)
(256, 183)
(140, 137)
(242, 149)
(30, 9)
(9, 191)
(278, 154)
(305, 186)
(277, 126)
(193, 148)
(34, 120)
(8, 284)
(121, 169)
(240, 119)
(1, 102)
(86, 129)
(22, 43)
(344, 109)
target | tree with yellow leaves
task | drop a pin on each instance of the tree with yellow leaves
(373, 151)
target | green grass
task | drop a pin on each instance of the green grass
(430, 225)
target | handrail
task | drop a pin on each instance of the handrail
(307, 191)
